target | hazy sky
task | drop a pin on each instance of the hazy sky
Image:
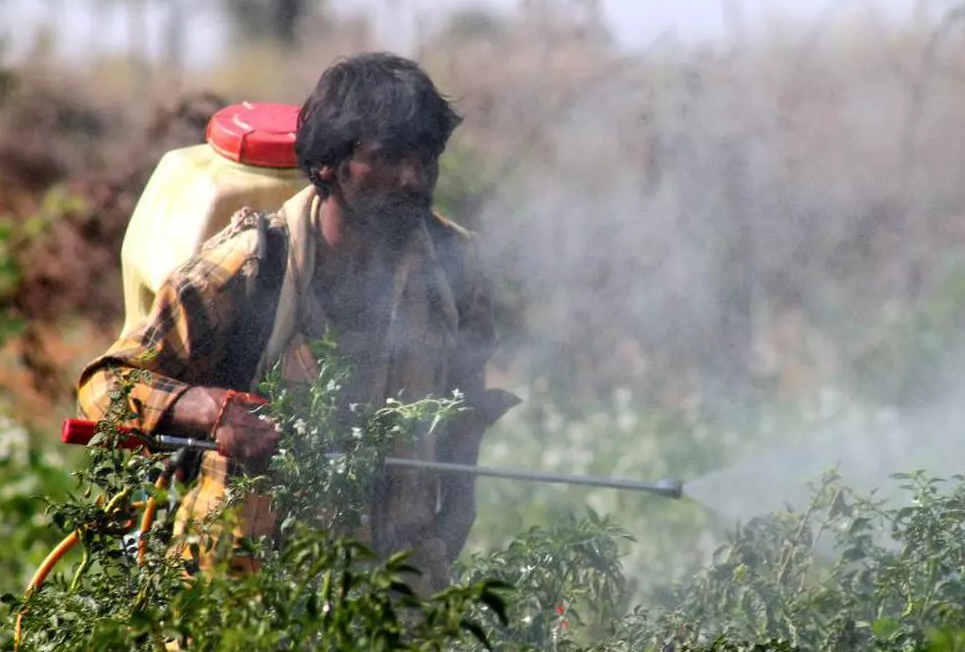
(635, 22)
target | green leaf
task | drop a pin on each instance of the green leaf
(477, 632)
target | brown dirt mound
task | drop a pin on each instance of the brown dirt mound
(72, 172)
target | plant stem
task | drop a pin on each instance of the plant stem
(789, 551)
(84, 564)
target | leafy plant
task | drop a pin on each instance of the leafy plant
(568, 579)
(894, 577)
(313, 590)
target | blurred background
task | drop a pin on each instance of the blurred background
(720, 230)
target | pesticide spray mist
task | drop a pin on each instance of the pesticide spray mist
(865, 457)
(692, 219)
(865, 443)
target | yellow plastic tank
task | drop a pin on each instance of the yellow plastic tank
(248, 159)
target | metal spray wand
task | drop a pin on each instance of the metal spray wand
(78, 431)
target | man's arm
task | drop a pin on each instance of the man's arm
(180, 345)
(476, 342)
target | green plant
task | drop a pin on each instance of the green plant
(313, 590)
(330, 452)
(849, 573)
(887, 579)
(568, 578)
(30, 476)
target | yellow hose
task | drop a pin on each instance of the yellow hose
(48, 565)
(147, 519)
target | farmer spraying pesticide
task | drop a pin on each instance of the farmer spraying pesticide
(234, 268)
(358, 250)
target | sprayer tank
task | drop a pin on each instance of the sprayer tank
(247, 159)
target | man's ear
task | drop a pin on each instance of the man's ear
(326, 173)
(342, 172)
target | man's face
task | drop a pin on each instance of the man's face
(388, 193)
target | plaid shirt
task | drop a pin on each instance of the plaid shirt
(201, 311)
(198, 308)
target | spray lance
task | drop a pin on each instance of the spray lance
(80, 431)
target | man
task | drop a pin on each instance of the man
(359, 251)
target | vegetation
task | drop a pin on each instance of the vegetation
(849, 573)
(312, 591)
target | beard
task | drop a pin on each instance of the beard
(390, 219)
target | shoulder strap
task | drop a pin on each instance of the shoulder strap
(252, 327)
(454, 248)
(298, 215)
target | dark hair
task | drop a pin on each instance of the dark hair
(375, 97)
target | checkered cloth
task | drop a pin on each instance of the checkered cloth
(200, 325)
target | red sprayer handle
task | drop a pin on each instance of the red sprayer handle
(81, 431)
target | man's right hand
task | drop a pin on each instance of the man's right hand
(241, 435)
(244, 436)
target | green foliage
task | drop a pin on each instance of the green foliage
(330, 453)
(318, 594)
(849, 573)
(29, 476)
(567, 577)
(894, 576)
(313, 591)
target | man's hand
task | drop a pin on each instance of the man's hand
(245, 437)
(461, 445)
(240, 435)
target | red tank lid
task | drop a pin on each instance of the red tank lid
(261, 134)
